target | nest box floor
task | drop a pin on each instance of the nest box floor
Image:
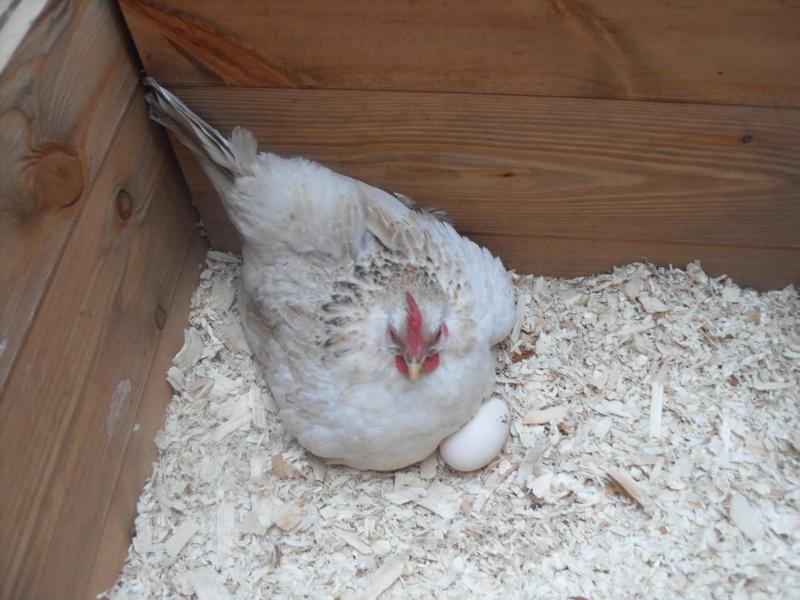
(654, 452)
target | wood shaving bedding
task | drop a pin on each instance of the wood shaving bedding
(653, 453)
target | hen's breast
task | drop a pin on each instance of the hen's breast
(320, 346)
(390, 422)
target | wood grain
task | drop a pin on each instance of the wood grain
(759, 268)
(538, 167)
(68, 406)
(62, 94)
(720, 51)
(141, 451)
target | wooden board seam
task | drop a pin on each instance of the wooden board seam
(630, 100)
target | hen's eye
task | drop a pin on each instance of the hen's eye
(440, 334)
(393, 335)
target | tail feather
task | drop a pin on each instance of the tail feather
(223, 161)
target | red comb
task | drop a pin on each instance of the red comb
(414, 322)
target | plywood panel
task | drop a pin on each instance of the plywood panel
(63, 92)
(68, 406)
(722, 51)
(534, 167)
(141, 450)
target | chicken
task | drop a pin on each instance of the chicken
(373, 321)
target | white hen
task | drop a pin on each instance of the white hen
(373, 320)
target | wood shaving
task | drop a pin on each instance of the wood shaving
(529, 464)
(353, 540)
(554, 414)
(181, 537)
(428, 467)
(653, 305)
(279, 466)
(286, 516)
(656, 408)
(681, 388)
(206, 584)
(746, 518)
(627, 485)
(383, 578)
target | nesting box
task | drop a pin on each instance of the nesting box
(568, 137)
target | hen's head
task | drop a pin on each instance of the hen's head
(417, 336)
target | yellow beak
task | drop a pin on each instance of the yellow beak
(414, 370)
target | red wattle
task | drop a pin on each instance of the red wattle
(430, 363)
(401, 365)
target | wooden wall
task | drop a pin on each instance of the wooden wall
(567, 135)
(97, 244)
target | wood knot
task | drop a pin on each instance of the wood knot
(124, 204)
(58, 179)
(160, 317)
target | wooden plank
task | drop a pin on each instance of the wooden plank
(719, 51)
(62, 94)
(759, 268)
(71, 397)
(216, 224)
(522, 166)
(93, 451)
(141, 450)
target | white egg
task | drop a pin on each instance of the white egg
(478, 442)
